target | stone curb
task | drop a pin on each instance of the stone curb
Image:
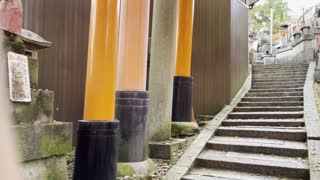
(186, 162)
(312, 124)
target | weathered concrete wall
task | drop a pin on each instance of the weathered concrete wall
(302, 51)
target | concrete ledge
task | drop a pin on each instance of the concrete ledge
(41, 141)
(54, 168)
(165, 150)
(187, 160)
(310, 108)
(184, 129)
(314, 159)
(40, 110)
(139, 169)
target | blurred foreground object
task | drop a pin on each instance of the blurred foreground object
(11, 16)
(9, 166)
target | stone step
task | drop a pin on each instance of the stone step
(270, 104)
(277, 80)
(277, 86)
(278, 77)
(278, 83)
(224, 174)
(270, 71)
(259, 146)
(258, 75)
(275, 66)
(272, 99)
(255, 163)
(268, 109)
(265, 115)
(276, 90)
(282, 133)
(281, 80)
(264, 122)
(274, 94)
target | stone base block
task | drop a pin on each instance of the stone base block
(42, 141)
(164, 150)
(184, 129)
(139, 169)
(52, 168)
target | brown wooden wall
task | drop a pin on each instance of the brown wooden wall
(63, 66)
(239, 46)
(217, 72)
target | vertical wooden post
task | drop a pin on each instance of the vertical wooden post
(184, 49)
(102, 60)
(132, 99)
(182, 93)
(96, 152)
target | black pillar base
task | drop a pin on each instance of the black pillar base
(182, 99)
(96, 151)
(132, 109)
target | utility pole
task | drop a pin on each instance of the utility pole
(271, 30)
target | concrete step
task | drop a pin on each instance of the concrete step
(268, 109)
(274, 94)
(264, 75)
(277, 86)
(255, 163)
(272, 99)
(285, 70)
(259, 146)
(278, 77)
(270, 104)
(274, 66)
(277, 80)
(278, 83)
(264, 122)
(224, 174)
(282, 133)
(265, 115)
(276, 90)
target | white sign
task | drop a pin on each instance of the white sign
(19, 81)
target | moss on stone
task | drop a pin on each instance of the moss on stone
(55, 144)
(184, 128)
(45, 104)
(125, 170)
(55, 170)
(14, 43)
(33, 72)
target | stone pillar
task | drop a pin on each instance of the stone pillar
(162, 65)
(96, 153)
(182, 115)
(132, 99)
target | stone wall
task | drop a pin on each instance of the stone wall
(42, 142)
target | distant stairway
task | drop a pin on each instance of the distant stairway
(264, 137)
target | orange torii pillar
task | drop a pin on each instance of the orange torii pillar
(132, 99)
(182, 91)
(96, 153)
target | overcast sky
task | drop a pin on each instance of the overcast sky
(297, 5)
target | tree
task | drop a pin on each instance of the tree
(260, 14)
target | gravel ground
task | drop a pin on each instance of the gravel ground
(161, 166)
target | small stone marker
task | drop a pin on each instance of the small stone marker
(19, 82)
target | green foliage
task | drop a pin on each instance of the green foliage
(261, 13)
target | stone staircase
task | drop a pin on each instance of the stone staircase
(264, 137)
